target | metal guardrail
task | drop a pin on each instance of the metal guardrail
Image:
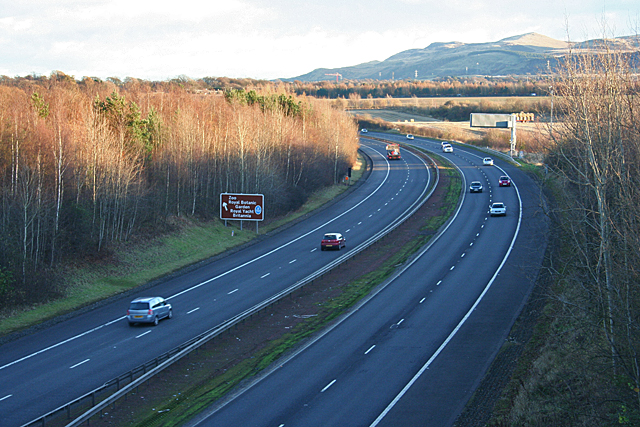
(144, 372)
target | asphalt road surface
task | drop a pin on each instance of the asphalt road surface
(414, 352)
(46, 369)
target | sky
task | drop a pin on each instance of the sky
(270, 39)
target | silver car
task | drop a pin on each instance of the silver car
(475, 187)
(148, 310)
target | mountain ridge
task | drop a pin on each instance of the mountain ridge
(524, 54)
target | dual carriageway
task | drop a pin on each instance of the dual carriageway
(412, 353)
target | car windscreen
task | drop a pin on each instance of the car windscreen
(330, 237)
(139, 306)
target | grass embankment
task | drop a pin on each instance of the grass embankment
(210, 371)
(133, 264)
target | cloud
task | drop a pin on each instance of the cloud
(264, 38)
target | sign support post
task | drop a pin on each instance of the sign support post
(513, 135)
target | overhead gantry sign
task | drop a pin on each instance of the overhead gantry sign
(496, 121)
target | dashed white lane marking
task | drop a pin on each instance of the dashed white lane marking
(78, 364)
(327, 386)
(195, 309)
(292, 261)
(143, 334)
(370, 348)
(264, 275)
(6, 397)
(235, 290)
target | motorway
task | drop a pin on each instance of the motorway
(413, 353)
(46, 369)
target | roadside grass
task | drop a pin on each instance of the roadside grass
(133, 264)
(183, 406)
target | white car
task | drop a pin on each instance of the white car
(447, 148)
(409, 136)
(497, 209)
(487, 161)
(364, 130)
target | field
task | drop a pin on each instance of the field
(462, 129)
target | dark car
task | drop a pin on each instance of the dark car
(504, 181)
(148, 310)
(332, 241)
(475, 187)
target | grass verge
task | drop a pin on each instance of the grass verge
(215, 370)
(136, 263)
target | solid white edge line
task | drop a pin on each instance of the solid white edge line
(211, 279)
(457, 328)
(326, 331)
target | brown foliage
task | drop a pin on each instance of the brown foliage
(87, 163)
(595, 379)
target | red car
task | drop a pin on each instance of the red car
(332, 241)
(504, 181)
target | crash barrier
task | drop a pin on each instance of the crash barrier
(82, 409)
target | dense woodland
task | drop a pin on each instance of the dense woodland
(87, 163)
(445, 87)
(330, 89)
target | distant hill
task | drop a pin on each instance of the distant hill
(529, 53)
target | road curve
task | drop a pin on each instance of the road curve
(415, 351)
(46, 369)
